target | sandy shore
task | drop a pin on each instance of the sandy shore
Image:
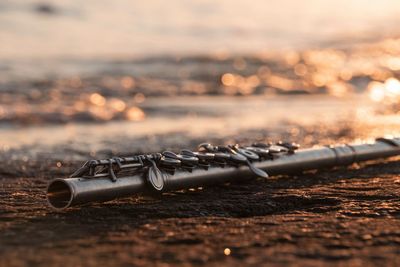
(343, 216)
(347, 217)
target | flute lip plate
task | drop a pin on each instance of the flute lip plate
(59, 194)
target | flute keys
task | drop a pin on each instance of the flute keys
(261, 152)
(169, 164)
(221, 159)
(258, 172)
(233, 155)
(280, 147)
(221, 156)
(165, 161)
(188, 152)
(262, 145)
(183, 158)
(292, 147)
(203, 158)
(155, 177)
(248, 154)
(207, 147)
(274, 149)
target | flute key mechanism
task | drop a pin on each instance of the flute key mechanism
(155, 177)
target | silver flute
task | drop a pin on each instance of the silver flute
(108, 179)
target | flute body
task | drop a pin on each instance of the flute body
(160, 173)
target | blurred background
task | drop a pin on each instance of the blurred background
(95, 78)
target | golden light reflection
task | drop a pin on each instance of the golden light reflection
(336, 72)
(227, 251)
(393, 63)
(280, 82)
(319, 79)
(380, 75)
(292, 58)
(388, 92)
(101, 113)
(376, 91)
(392, 86)
(338, 89)
(228, 79)
(135, 114)
(234, 84)
(127, 82)
(117, 104)
(97, 99)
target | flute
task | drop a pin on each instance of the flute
(108, 179)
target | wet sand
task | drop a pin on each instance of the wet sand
(346, 216)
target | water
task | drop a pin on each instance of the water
(76, 29)
(206, 118)
(79, 72)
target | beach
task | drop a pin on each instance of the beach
(81, 81)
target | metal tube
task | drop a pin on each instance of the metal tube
(64, 193)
